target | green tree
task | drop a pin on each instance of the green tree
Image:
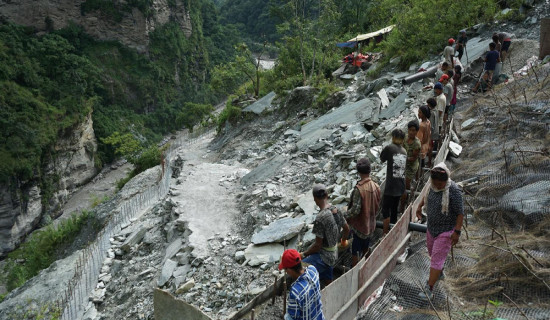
(249, 65)
(307, 48)
(193, 113)
(423, 26)
(126, 145)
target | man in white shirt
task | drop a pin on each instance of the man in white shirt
(441, 103)
(449, 53)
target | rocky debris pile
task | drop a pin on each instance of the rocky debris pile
(277, 208)
(124, 284)
(155, 250)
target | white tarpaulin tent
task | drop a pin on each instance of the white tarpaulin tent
(362, 37)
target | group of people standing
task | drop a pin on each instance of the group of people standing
(334, 227)
(408, 153)
(498, 51)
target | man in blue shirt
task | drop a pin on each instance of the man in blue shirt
(491, 60)
(304, 297)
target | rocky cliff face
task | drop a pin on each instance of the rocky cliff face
(20, 212)
(71, 164)
(131, 27)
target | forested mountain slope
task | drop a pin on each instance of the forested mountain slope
(65, 85)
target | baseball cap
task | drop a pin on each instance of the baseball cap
(462, 31)
(319, 191)
(451, 41)
(444, 77)
(290, 258)
(438, 85)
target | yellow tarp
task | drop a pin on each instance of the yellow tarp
(366, 36)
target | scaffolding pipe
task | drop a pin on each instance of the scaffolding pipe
(412, 226)
(420, 75)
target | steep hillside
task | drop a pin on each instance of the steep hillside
(65, 89)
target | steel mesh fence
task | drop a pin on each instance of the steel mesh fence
(487, 205)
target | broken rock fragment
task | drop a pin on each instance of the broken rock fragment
(133, 239)
(278, 231)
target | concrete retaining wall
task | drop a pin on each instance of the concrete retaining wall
(167, 307)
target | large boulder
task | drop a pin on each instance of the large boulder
(259, 106)
(166, 272)
(530, 199)
(395, 108)
(307, 204)
(260, 254)
(376, 85)
(333, 101)
(322, 127)
(265, 171)
(278, 231)
(300, 98)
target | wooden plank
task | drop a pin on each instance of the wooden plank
(259, 299)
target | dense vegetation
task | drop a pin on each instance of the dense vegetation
(307, 30)
(423, 26)
(42, 248)
(253, 18)
(50, 83)
(45, 88)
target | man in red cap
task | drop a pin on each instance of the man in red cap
(449, 53)
(304, 297)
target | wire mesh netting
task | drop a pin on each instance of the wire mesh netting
(400, 299)
(501, 267)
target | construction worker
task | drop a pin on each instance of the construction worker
(461, 43)
(412, 145)
(323, 253)
(441, 71)
(441, 105)
(505, 40)
(424, 135)
(361, 214)
(449, 53)
(445, 212)
(304, 297)
(448, 92)
(431, 103)
(491, 60)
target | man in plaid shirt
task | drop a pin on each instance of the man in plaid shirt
(304, 297)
